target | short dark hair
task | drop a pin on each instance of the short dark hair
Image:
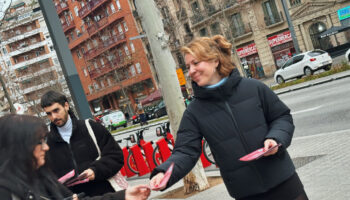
(51, 97)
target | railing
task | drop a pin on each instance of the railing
(19, 34)
(110, 66)
(197, 17)
(103, 46)
(96, 25)
(61, 7)
(241, 30)
(200, 15)
(89, 7)
(68, 25)
(271, 20)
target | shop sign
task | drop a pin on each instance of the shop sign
(344, 13)
(247, 50)
(279, 39)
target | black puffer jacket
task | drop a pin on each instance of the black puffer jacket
(81, 154)
(235, 118)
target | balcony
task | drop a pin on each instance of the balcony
(103, 46)
(16, 36)
(25, 48)
(114, 64)
(61, 7)
(197, 17)
(273, 20)
(42, 58)
(89, 7)
(38, 87)
(96, 26)
(181, 15)
(68, 25)
(239, 31)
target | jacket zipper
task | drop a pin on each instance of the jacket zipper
(73, 158)
(245, 144)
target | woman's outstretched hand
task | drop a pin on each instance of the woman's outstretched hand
(268, 144)
(139, 192)
(155, 181)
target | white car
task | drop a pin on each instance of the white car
(347, 56)
(303, 64)
(114, 120)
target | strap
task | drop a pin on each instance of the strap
(92, 135)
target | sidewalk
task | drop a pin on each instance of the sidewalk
(322, 160)
(322, 163)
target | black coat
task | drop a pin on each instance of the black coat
(8, 190)
(235, 118)
(81, 154)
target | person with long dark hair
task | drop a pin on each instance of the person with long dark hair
(23, 173)
(236, 116)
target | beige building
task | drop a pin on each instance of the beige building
(28, 59)
(257, 28)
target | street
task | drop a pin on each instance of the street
(320, 109)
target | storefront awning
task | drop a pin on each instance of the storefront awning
(333, 30)
(152, 97)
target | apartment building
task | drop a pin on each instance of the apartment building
(111, 63)
(29, 62)
(258, 29)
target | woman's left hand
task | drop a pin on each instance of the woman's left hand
(268, 144)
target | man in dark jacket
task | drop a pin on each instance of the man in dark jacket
(71, 147)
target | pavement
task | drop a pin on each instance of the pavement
(322, 160)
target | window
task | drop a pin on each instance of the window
(102, 62)
(72, 35)
(126, 49)
(76, 9)
(132, 47)
(118, 4)
(29, 28)
(297, 59)
(26, 57)
(112, 8)
(102, 84)
(125, 26)
(78, 54)
(94, 42)
(109, 81)
(8, 63)
(82, 28)
(120, 30)
(96, 86)
(51, 48)
(215, 28)
(294, 2)
(238, 27)
(37, 53)
(55, 60)
(71, 16)
(91, 89)
(4, 51)
(113, 32)
(138, 68)
(271, 15)
(78, 33)
(132, 70)
(203, 32)
(82, 50)
(88, 46)
(85, 72)
(95, 65)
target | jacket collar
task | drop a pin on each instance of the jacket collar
(218, 93)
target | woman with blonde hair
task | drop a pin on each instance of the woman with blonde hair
(236, 116)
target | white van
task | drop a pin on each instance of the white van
(114, 120)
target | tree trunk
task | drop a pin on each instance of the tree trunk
(168, 81)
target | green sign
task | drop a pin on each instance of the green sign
(344, 13)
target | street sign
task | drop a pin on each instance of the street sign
(180, 76)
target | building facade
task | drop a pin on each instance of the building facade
(112, 64)
(258, 29)
(29, 62)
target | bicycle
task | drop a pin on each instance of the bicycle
(163, 131)
(130, 162)
(207, 152)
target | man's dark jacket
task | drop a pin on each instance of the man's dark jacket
(235, 118)
(81, 154)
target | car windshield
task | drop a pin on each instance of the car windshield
(316, 53)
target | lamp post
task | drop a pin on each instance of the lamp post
(291, 27)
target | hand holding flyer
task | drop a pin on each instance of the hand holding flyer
(71, 179)
(165, 179)
(258, 153)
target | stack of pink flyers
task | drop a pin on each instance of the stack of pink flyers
(165, 179)
(71, 179)
(258, 153)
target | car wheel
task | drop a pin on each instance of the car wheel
(308, 71)
(327, 68)
(280, 79)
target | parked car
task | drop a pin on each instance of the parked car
(114, 120)
(347, 56)
(160, 110)
(149, 111)
(303, 64)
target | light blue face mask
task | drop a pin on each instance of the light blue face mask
(222, 81)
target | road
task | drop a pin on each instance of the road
(320, 109)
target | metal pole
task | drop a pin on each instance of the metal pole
(65, 57)
(291, 27)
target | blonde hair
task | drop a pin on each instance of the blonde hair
(216, 48)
